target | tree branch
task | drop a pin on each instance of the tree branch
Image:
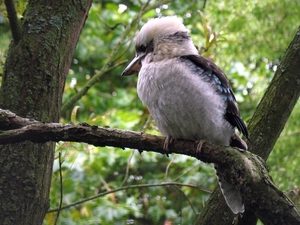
(245, 170)
(95, 78)
(277, 103)
(13, 20)
(122, 189)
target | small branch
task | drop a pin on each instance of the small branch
(61, 190)
(10, 121)
(95, 78)
(168, 167)
(156, 5)
(127, 168)
(186, 197)
(187, 171)
(122, 189)
(13, 20)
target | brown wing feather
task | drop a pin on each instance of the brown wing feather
(220, 81)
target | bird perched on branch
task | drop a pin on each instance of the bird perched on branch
(188, 96)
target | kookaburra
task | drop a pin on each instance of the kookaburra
(188, 96)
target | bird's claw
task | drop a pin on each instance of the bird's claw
(199, 145)
(167, 143)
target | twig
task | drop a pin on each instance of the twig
(204, 4)
(61, 189)
(186, 199)
(88, 85)
(187, 171)
(146, 125)
(106, 186)
(107, 25)
(122, 189)
(127, 168)
(13, 20)
(168, 166)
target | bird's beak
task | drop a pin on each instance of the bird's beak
(134, 66)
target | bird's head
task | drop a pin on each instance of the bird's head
(160, 39)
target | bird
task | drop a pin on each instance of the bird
(188, 96)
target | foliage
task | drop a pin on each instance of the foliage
(246, 39)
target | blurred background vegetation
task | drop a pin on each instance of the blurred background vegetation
(245, 38)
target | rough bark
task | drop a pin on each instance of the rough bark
(264, 127)
(246, 170)
(33, 82)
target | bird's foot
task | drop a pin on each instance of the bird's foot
(199, 145)
(167, 143)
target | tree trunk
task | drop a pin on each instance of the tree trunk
(35, 72)
(264, 127)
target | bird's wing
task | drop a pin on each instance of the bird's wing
(213, 74)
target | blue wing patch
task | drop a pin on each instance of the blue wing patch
(211, 73)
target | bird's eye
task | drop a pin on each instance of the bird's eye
(143, 48)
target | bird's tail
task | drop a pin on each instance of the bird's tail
(236, 141)
(231, 194)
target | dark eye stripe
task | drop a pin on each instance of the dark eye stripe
(143, 48)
